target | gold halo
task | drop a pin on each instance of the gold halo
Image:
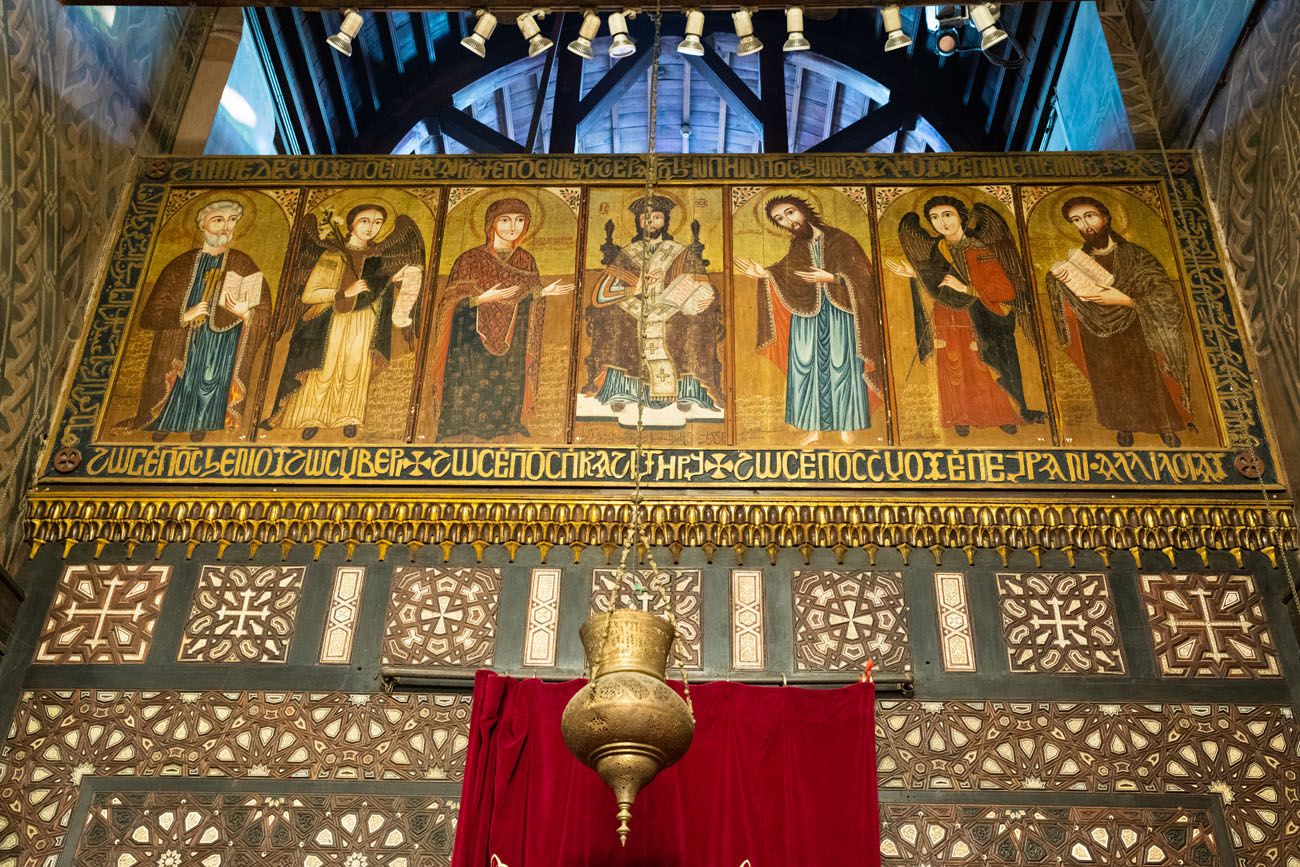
(351, 198)
(1109, 197)
(761, 199)
(184, 216)
(483, 199)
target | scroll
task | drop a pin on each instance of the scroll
(408, 282)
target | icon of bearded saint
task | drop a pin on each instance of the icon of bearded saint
(975, 281)
(349, 293)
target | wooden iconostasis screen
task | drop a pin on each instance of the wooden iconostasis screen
(829, 321)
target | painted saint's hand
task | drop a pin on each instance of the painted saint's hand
(197, 311)
(1110, 298)
(816, 275)
(498, 293)
(239, 309)
(750, 268)
(952, 282)
(356, 289)
(700, 301)
(901, 267)
(555, 287)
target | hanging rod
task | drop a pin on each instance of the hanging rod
(418, 677)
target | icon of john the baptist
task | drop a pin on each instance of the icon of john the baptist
(490, 318)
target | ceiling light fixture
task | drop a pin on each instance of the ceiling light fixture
(985, 18)
(794, 39)
(586, 32)
(743, 18)
(537, 43)
(691, 43)
(477, 41)
(892, 17)
(348, 30)
(622, 45)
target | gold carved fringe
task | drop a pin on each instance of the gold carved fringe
(579, 521)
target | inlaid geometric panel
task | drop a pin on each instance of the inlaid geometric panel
(842, 619)
(61, 736)
(206, 829)
(442, 616)
(748, 642)
(103, 613)
(542, 630)
(243, 613)
(956, 636)
(1247, 756)
(681, 587)
(953, 834)
(1059, 623)
(342, 614)
(1209, 625)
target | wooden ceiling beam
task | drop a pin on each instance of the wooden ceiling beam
(864, 132)
(474, 134)
(723, 79)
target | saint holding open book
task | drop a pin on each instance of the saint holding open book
(1118, 315)
(208, 311)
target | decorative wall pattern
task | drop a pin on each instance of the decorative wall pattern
(342, 614)
(243, 614)
(1059, 623)
(956, 632)
(78, 100)
(953, 834)
(748, 630)
(170, 829)
(1249, 756)
(1209, 625)
(442, 616)
(59, 737)
(541, 633)
(842, 619)
(103, 613)
(680, 588)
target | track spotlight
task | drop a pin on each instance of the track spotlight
(537, 43)
(348, 30)
(749, 43)
(985, 18)
(691, 44)
(893, 21)
(794, 40)
(477, 41)
(586, 32)
(622, 44)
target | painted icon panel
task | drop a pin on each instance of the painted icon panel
(963, 336)
(499, 366)
(190, 363)
(655, 278)
(1121, 336)
(808, 318)
(349, 327)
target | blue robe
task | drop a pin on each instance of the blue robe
(199, 399)
(825, 388)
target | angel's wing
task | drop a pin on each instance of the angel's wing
(289, 308)
(403, 246)
(988, 227)
(918, 245)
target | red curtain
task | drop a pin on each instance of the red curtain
(775, 777)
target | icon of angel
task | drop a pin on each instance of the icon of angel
(354, 288)
(969, 293)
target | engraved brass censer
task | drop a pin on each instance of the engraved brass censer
(627, 724)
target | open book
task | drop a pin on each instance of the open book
(682, 291)
(408, 282)
(240, 291)
(1082, 275)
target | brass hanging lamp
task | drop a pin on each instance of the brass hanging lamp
(627, 724)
